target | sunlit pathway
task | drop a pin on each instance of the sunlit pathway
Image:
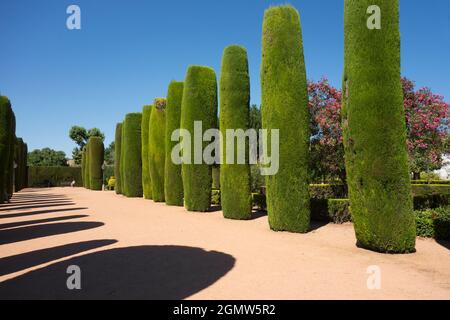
(135, 248)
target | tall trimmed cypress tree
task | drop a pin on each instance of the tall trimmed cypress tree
(121, 164)
(234, 114)
(18, 172)
(10, 168)
(285, 107)
(146, 177)
(6, 126)
(117, 158)
(131, 156)
(24, 166)
(375, 131)
(87, 178)
(173, 181)
(96, 159)
(156, 148)
(83, 165)
(199, 104)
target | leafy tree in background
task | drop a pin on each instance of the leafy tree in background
(80, 136)
(47, 158)
(427, 125)
(427, 122)
(109, 154)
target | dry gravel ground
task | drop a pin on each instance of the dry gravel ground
(135, 248)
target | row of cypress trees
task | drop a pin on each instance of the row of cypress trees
(13, 154)
(92, 158)
(373, 124)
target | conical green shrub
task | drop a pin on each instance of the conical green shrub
(173, 181)
(199, 104)
(117, 158)
(156, 148)
(234, 114)
(131, 156)
(96, 159)
(146, 177)
(6, 126)
(285, 107)
(375, 131)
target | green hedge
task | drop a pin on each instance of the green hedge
(117, 158)
(173, 181)
(285, 107)
(6, 131)
(54, 176)
(334, 210)
(10, 163)
(234, 114)
(374, 130)
(86, 176)
(327, 191)
(146, 178)
(434, 223)
(121, 164)
(199, 104)
(215, 197)
(96, 159)
(131, 156)
(157, 150)
(447, 182)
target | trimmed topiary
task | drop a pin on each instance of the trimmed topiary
(18, 159)
(96, 159)
(235, 190)
(6, 124)
(83, 165)
(375, 131)
(24, 166)
(173, 181)
(156, 148)
(199, 104)
(146, 178)
(285, 107)
(87, 179)
(121, 164)
(117, 159)
(10, 165)
(131, 156)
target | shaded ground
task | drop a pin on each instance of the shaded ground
(134, 248)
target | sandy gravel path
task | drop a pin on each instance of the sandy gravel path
(135, 248)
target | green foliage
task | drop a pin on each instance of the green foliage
(234, 114)
(446, 182)
(157, 151)
(257, 180)
(131, 156)
(285, 107)
(215, 197)
(109, 153)
(10, 162)
(146, 178)
(18, 158)
(108, 172)
(121, 164)
(86, 176)
(96, 159)
(47, 157)
(111, 183)
(327, 191)
(199, 104)
(375, 132)
(333, 210)
(173, 181)
(6, 131)
(434, 223)
(117, 158)
(259, 201)
(215, 177)
(54, 176)
(81, 136)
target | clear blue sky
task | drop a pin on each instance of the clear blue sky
(128, 51)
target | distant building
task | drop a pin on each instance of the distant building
(71, 163)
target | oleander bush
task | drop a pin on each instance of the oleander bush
(285, 107)
(173, 181)
(235, 186)
(199, 103)
(374, 131)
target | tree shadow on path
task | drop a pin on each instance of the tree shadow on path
(142, 272)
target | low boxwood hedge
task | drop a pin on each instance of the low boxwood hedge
(54, 176)
(434, 223)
